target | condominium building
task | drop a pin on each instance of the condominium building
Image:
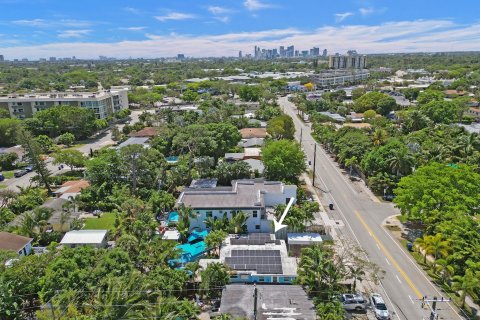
(103, 103)
(339, 77)
(351, 61)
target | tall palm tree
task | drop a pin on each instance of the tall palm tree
(467, 283)
(446, 270)
(423, 243)
(437, 247)
(350, 162)
(356, 273)
(379, 137)
(401, 162)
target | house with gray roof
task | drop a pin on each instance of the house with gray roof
(252, 196)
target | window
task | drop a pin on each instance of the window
(261, 279)
(254, 214)
(263, 217)
(20, 110)
(257, 227)
(209, 214)
(287, 200)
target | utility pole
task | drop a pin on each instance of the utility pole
(433, 307)
(314, 162)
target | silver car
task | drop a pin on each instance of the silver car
(353, 302)
(379, 307)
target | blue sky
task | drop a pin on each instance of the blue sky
(86, 29)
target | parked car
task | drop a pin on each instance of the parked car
(388, 197)
(353, 302)
(20, 173)
(379, 307)
(2, 177)
(29, 168)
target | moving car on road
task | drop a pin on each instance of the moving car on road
(379, 307)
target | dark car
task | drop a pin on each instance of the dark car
(388, 197)
(20, 173)
(2, 177)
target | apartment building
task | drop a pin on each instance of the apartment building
(103, 103)
(351, 61)
(339, 77)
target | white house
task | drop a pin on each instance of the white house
(250, 196)
(77, 238)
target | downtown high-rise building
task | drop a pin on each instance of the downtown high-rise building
(349, 61)
(2, 58)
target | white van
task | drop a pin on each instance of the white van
(379, 307)
(353, 302)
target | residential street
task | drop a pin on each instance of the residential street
(363, 215)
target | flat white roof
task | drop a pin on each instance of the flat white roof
(84, 237)
(171, 235)
(304, 238)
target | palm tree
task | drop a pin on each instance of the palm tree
(238, 223)
(423, 243)
(437, 247)
(353, 161)
(466, 284)
(183, 227)
(356, 273)
(379, 137)
(401, 162)
(446, 270)
(214, 278)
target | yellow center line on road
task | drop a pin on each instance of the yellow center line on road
(389, 256)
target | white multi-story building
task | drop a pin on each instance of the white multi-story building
(103, 103)
(250, 196)
(351, 61)
(339, 77)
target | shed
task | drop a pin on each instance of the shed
(171, 235)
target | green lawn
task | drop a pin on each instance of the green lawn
(106, 221)
(2, 186)
(8, 174)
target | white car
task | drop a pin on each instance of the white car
(379, 307)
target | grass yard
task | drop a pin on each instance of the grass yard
(2, 186)
(106, 221)
(8, 174)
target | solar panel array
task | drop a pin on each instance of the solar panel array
(254, 239)
(262, 261)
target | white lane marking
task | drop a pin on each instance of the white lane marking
(378, 246)
(415, 265)
(398, 279)
(371, 235)
(387, 261)
(413, 302)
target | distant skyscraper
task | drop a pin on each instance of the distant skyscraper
(52, 59)
(325, 52)
(290, 51)
(180, 56)
(2, 58)
(240, 54)
(315, 52)
(282, 51)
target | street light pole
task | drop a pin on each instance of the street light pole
(314, 162)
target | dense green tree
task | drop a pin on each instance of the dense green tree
(72, 158)
(429, 96)
(225, 172)
(190, 96)
(66, 138)
(281, 127)
(249, 93)
(441, 111)
(8, 128)
(46, 144)
(7, 159)
(284, 160)
(374, 100)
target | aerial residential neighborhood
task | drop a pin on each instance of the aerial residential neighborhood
(250, 160)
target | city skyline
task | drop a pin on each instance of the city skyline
(213, 29)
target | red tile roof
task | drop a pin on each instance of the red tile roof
(75, 185)
(248, 133)
(145, 132)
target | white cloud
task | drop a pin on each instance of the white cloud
(133, 28)
(42, 23)
(218, 10)
(403, 36)
(339, 17)
(253, 5)
(74, 33)
(371, 10)
(175, 16)
(132, 10)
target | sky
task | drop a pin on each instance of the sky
(212, 28)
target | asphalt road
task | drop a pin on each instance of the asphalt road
(404, 282)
